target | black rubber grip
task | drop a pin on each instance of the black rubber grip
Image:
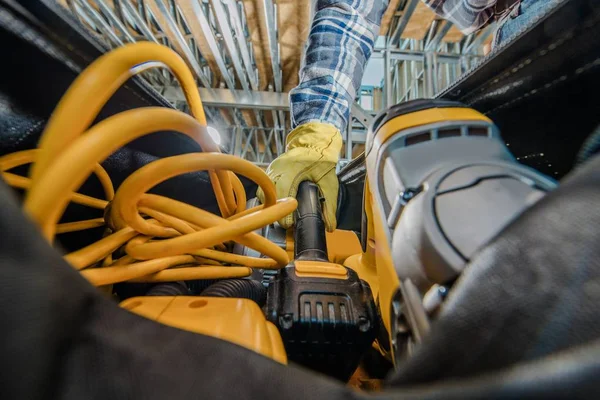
(309, 233)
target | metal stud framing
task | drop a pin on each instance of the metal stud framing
(214, 38)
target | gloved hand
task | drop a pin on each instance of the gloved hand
(312, 152)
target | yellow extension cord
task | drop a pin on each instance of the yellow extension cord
(164, 239)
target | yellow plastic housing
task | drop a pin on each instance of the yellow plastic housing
(341, 244)
(379, 256)
(238, 321)
(320, 269)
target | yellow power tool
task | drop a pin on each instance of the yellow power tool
(434, 171)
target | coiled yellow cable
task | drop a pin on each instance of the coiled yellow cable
(163, 239)
(24, 157)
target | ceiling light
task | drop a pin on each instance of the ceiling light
(214, 134)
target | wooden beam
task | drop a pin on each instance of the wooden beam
(388, 16)
(454, 35)
(419, 23)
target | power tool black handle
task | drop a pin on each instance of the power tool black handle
(309, 234)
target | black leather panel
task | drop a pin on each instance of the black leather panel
(542, 88)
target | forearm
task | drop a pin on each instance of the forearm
(340, 43)
(467, 15)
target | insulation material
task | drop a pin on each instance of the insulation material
(257, 26)
(418, 25)
(249, 117)
(225, 113)
(268, 119)
(454, 35)
(388, 17)
(293, 20)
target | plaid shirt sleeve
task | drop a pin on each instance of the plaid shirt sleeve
(467, 15)
(340, 43)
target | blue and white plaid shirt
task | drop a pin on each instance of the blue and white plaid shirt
(339, 45)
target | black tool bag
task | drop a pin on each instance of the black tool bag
(523, 321)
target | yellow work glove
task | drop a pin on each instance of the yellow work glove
(311, 154)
